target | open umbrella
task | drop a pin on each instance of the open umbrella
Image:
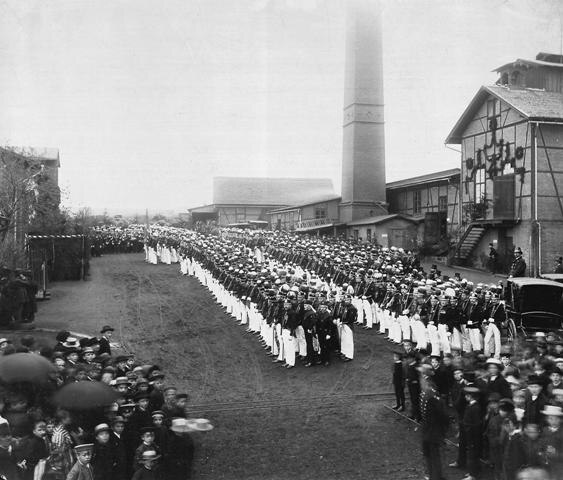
(25, 367)
(85, 395)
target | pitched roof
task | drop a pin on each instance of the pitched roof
(323, 199)
(380, 219)
(203, 209)
(422, 179)
(539, 62)
(531, 103)
(269, 191)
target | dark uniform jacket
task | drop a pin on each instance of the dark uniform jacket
(105, 461)
(518, 268)
(472, 424)
(435, 418)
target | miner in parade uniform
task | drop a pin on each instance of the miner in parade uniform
(325, 329)
(434, 424)
(518, 267)
(348, 316)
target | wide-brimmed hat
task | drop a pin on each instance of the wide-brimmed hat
(84, 447)
(141, 396)
(118, 419)
(493, 361)
(506, 404)
(71, 342)
(102, 427)
(553, 410)
(471, 390)
(187, 425)
(121, 381)
(107, 328)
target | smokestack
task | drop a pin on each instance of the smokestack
(363, 156)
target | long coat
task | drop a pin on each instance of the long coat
(80, 472)
(105, 461)
(179, 457)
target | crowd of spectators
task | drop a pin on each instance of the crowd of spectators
(143, 434)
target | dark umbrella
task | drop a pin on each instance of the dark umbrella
(85, 395)
(25, 367)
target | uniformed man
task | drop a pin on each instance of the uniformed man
(518, 267)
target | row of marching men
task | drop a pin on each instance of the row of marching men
(437, 316)
(434, 315)
(291, 322)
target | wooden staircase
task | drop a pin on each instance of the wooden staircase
(469, 240)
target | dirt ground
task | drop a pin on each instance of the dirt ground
(270, 423)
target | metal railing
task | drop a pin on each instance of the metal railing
(314, 222)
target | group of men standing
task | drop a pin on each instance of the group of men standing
(307, 302)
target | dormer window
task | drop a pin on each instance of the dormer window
(503, 79)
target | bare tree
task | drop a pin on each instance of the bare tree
(29, 200)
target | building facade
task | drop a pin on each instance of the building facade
(393, 230)
(316, 215)
(246, 201)
(432, 200)
(511, 138)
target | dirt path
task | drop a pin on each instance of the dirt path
(270, 423)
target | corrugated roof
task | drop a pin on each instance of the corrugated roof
(379, 219)
(428, 178)
(269, 191)
(531, 103)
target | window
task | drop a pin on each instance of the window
(368, 235)
(240, 215)
(443, 203)
(493, 116)
(480, 184)
(416, 202)
(320, 211)
(356, 234)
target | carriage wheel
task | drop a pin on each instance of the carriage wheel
(511, 330)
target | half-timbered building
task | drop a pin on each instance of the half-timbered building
(511, 138)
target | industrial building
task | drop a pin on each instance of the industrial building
(511, 138)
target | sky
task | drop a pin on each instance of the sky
(147, 100)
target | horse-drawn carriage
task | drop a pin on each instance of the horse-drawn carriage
(533, 305)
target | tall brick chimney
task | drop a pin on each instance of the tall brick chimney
(363, 156)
